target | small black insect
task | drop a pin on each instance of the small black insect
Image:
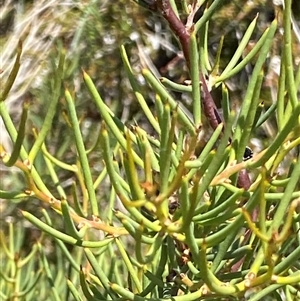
(248, 154)
(173, 205)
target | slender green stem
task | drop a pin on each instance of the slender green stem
(58, 162)
(241, 48)
(175, 87)
(137, 91)
(249, 122)
(157, 278)
(131, 172)
(194, 70)
(216, 162)
(100, 273)
(86, 170)
(129, 265)
(251, 90)
(167, 98)
(116, 126)
(279, 140)
(23, 154)
(289, 65)
(20, 137)
(12, 76)
(239, 67)
(208, 13)
(165, 148)
(281, 94)
(62, 236)
(286, 199)
(51, 110)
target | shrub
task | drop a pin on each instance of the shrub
(179, 213)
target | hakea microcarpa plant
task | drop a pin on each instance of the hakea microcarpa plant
(203, 224)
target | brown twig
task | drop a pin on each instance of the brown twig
(183, 34)
(177, 26)
(209, 106)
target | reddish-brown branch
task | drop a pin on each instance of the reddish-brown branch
(177, 27)
(183, 35)
(209, 106)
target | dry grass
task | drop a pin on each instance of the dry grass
(31, 25)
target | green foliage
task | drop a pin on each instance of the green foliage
(166, 215)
